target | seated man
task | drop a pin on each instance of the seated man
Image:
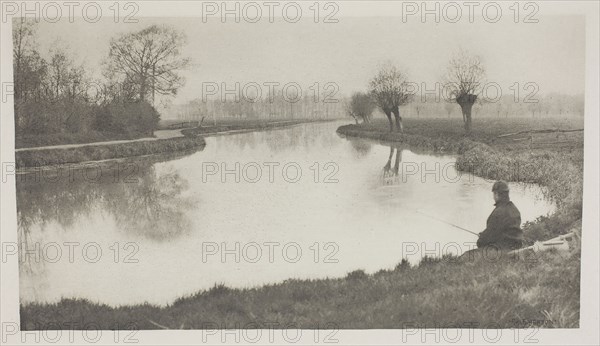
(504, 223)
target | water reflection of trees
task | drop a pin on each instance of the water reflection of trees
(361, 147)
(153, 206)
(150, 202)
(279, 140)
(391, 174)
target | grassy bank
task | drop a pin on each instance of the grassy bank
(32, 141)
(537, 291)
(48, 157)
(440, 293)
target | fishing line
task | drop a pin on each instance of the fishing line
(446, 222)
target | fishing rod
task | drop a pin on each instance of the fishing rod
(554, 243)
(446, 222)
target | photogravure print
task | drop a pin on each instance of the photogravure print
(267, 172)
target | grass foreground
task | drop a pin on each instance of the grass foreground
(438, 293)
(533, 290)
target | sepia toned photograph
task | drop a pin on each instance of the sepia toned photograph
(291, 172)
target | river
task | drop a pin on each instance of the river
(250, 209)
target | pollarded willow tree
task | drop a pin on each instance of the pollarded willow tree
(360, 106)
(390, 90)
(464, 83)
(149, 60)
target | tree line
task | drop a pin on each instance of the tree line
(463, 85)
(274, 107)
(58, 100)
(389, 91)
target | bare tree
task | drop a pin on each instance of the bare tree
(350, 111)
(29, 67)
(360, 106)
(390, 90)
(463, 83)
(62, 73)
(23, 33)
(150, 60)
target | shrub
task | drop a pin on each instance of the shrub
(67, 120)
(357, 275)
(53, 117)
(131, 118)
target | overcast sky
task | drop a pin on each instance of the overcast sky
(550, 53)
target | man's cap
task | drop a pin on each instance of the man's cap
(500, 186)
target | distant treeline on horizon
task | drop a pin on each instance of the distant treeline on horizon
(553, 104)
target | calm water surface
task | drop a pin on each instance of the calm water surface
(306, 204)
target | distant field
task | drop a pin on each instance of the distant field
(487, 129)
